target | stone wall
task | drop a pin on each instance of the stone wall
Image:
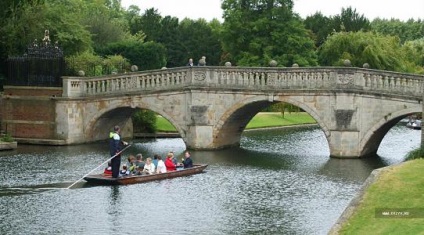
(28, 114)
(32, 91)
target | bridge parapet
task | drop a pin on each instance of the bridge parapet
(246, 78)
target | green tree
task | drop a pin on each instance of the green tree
(350, 21)
(406, 31)
(200, 38)
(144, 121)
(105, 21)
(148, 55)
(133, 17)
(254, 32)
(150, 24)
(415, 50)
(88, 62)
(379, 51)
(320, 26)
(170, 37)
(27, 22)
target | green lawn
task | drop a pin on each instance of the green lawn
(262, 120)
(163, 125)
(259, 121)
(400, 187)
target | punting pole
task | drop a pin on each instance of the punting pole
(70, 186)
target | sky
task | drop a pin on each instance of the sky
(209, 9)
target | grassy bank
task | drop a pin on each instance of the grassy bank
(396, 189)
(261, 120)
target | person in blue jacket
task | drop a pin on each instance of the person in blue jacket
(187, 161)
(115, 146)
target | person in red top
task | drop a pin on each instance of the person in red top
(108, 169)
(170, 166)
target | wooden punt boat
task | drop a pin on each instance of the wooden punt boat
(101, 179)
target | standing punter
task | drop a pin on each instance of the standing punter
(115, 146)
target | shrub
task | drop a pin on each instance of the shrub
(415, 154)
(144, 121)
(7, 138)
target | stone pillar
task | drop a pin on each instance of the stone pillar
(199, 137)
(344, 144)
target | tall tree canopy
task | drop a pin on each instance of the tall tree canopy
(256, 31)
(320, 25)
(347, 21)
(406, 31)
(350, 21)
(200, 38)
(379, 51)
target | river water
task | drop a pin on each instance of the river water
(278, 182)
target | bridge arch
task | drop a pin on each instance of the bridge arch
(373, 137)
(232, 123)
(99, 125)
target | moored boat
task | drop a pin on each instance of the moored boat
(101, 179)
(416, 125)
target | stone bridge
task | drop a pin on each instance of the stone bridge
(211, 106)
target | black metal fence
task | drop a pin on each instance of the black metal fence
(42, 65)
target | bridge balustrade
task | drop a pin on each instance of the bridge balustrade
(244, 78)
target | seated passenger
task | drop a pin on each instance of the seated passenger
(139, 171)
(169, 162)
(139, 160)
(149, 167)
(161, 166)
(174, 159)
(124, 171)
(155, 160)
(131, 164)
(187, 162)
(108, 169)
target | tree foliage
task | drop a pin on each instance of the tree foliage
(146, 56)
(320, 26)
(406, 31)
(105, 21)
(350, 21)
(379, 51)
(27, 22)
(254, 32)
(144, 121)
(347, 21)
(200, 38)
(415, 51)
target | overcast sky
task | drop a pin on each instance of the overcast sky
(209, 9)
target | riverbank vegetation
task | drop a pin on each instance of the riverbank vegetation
(6, 138)
(96, 34)
(415, 154)
(398, 192)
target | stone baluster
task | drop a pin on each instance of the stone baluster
(392, 82)
(264, 79)
(157, 80)
(319, 80)
(237, 78)
(287, 80)
(417, 87)
(93, 87)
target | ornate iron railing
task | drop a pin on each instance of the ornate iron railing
(42, 64)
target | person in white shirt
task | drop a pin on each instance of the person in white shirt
(161, 166)
(149, 167)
